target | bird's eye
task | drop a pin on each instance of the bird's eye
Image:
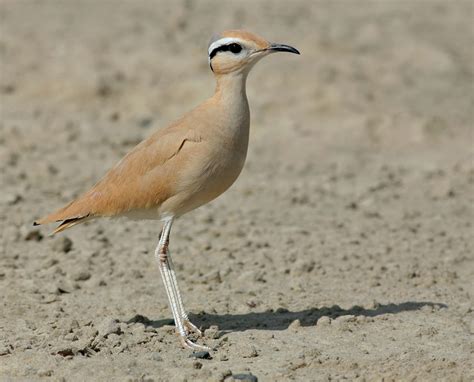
(235, 48)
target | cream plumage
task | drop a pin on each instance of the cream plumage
(185, 165)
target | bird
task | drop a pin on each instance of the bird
(182, 166)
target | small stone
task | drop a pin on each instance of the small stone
(201, 355)
(361, 319)
(74, 325)
(295, 325)
(197, 365)
(109, 326)
(65, 351)
(139, 318)
(138, 327)
(63, 287)
(44, 373)
(113, 339)
(250, 352)
(324, 321)
(312, 354)
(145, 122)
(50, 262)
(70, 337)
(245, 377)
(8, 89)
(212, 277)
(155, 356)
(4, 350)
(62, 244)
(302, 267)
(345, 318)
(374, 305)
(48, 299)
(10, 199)
(223, 375)
(33, 235)
(223, 357)
(212, 332)
(81, 276)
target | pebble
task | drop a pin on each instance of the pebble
(63, 287)
(374, 305)
(223, 375)
(302, 267)
(113, 339)
(201, 355)
(245, 377)
(70, 337)
(250, 352)
(224, 357)
(324, 321)
(361, 319)
(10, 199)
(62, 244)
(211, 277)
(345, 318)
(73, 325)
(44, 373)
(109, 326)
(295, 325)
(139, 318)
(155, 356)
(212, 332)
(67, 351)
(81, 276)
(4, 350)
(33, 235)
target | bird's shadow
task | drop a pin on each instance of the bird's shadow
(281, 318)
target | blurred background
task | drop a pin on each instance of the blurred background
(343, 250)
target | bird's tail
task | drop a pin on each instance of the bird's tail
(68, 217)
(68, 224)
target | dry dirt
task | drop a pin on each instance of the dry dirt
(344, 250)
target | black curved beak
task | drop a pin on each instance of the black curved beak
(282, 48)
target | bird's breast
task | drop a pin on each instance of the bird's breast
(211, 167)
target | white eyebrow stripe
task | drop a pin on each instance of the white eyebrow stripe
(223, 41)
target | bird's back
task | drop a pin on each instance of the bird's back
(173, 171)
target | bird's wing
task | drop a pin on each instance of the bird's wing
(144, 178)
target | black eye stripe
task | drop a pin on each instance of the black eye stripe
(234, 48)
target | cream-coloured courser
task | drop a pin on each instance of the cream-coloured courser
(184, 165)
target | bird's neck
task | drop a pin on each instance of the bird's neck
(231, 88)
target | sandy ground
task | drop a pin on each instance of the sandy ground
(344, 250)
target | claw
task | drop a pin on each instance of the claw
(187, 343)
(191, 327)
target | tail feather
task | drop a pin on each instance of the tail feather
(68, 224)
(70, 215)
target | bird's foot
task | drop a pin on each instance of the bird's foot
(188, 344)
(192, 328)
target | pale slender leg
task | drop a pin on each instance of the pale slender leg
(187, 323)
(171, 286)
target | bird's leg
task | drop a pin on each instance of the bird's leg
(161, 257)
(169, 280)
(187, 323)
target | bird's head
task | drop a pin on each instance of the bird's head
(236, 51)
